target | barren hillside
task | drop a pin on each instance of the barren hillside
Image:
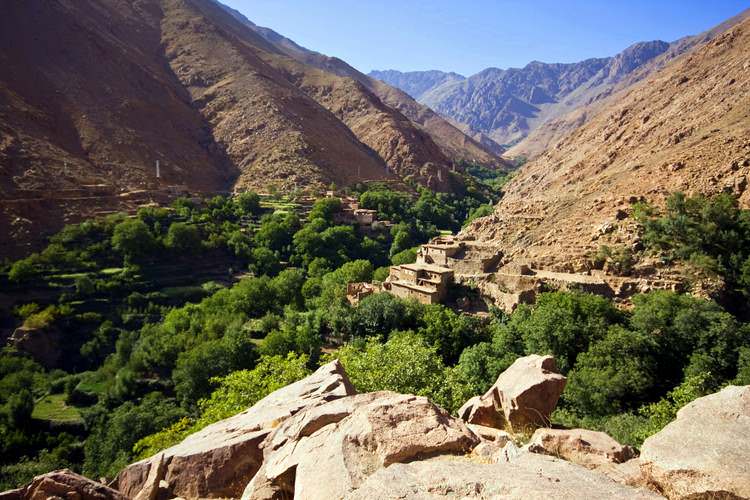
(95, 92)
(686, 128)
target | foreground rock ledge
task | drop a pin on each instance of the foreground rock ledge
(529, 476)
(705, 451)
(63, 484)
(220, 460)
(328, 451)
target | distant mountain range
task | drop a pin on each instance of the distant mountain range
(507, 105)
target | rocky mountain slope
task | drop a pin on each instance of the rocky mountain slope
(551, 131)
(532, 108)
(93, 93)
(684, 128)
(320, 439)
(453, 142)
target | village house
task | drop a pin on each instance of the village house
(426, 283)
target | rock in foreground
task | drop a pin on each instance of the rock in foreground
(529, 476)
(221, 459)
(580, 446)
(327, 451)
(705, 451)
(523, 396)
(63, 484)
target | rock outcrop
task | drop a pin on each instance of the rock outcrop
(222, 458)
(317, 439)
(529, 476)
(523, 396)
(580, 446)
(63, 484)
(705, 451)
(328, 451)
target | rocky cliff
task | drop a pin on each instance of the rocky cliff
(319, 439)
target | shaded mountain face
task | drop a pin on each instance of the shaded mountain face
(507, 104)
(452, 140)
(686, 127)
(95, 92)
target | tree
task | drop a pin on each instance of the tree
(23, 271)
(450, 333)
(695, 336)
(264, 262)
(381, 313)
(242, 389)
(196, 367)
(333, 285)
(617, 373)
(564, 324)
(248, 203)
(407, 256)
(19, 407)
(404, 364)
(183, 239)
(133, 240)
(325, 209)
(114, 432)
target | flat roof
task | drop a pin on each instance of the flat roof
(411, 286)
(418, 266)
(442, 245)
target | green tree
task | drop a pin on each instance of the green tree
(23, 271)
(450, 333)
(183, 239)
(248, 203)
(133, 240)
(617, 373)
(404, 364)
(109, 446)
(325, 209)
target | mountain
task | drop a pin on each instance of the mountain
(506, 104)
(683, 128)
(416, 83)
(452, 141)
(557, 127)
(94, 92)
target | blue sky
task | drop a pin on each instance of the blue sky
(468, 36)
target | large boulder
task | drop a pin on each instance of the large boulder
(328, 451)
(221, 459)
(523, 397)
(705, 451)
(527, 476)
(63, 484)
(581, 446)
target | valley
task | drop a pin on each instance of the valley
(235, 267)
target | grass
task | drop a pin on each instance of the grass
(53, 407)
(93, 383)
(111, 270)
